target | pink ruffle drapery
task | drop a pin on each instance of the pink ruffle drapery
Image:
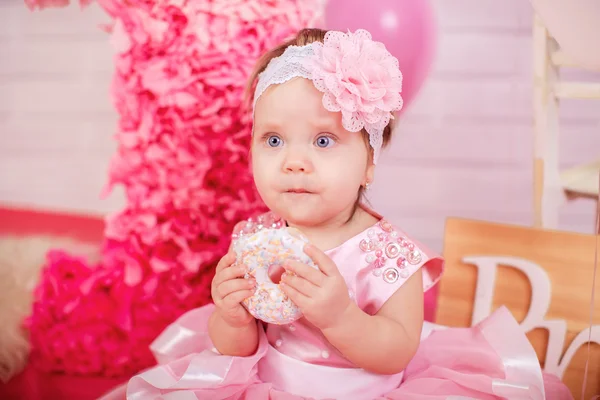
(183, 135)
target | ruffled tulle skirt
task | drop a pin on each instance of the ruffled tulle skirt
(492, 360)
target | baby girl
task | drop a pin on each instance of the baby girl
(323, 106)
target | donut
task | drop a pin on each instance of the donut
(261, 251)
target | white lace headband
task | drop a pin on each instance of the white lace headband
(358, 77)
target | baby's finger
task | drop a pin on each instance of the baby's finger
(227, 274)
(302, 285)
(235, 285)
(226, 261)
(326, 265)
(295, 296)
(315, 276)
(237, 297)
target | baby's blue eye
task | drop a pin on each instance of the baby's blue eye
(324, 141)
(273, 141)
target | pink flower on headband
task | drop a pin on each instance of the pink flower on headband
(358, 77)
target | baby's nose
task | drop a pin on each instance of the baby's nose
(297, 162)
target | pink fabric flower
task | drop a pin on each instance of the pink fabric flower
(358, 77)
(182, 160)
(74, 326)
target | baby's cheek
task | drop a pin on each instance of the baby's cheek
(344, 186)
(263, 177)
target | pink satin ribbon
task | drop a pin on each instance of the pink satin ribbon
(192, 370)
(523, 374)
(321, 382)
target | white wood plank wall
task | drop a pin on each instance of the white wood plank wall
(463, 149)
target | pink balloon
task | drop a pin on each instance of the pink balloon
(406, 27)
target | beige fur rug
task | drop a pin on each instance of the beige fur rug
(21, 259)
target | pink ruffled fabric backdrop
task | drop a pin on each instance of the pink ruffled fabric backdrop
(183, 135)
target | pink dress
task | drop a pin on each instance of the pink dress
(491, 360)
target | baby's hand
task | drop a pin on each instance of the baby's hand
(322, 295)
(229, 288)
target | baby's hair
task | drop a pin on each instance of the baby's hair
(304, 37)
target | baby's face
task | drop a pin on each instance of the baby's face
(308, 169)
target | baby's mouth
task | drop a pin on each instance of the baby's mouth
(297, 191)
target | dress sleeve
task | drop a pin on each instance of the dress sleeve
(390, 259)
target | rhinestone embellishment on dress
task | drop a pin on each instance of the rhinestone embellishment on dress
(253, 225)
(388, 245)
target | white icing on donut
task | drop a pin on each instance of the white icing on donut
(260, 251)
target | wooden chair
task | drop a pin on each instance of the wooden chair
(544, 277)
(549, 88)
